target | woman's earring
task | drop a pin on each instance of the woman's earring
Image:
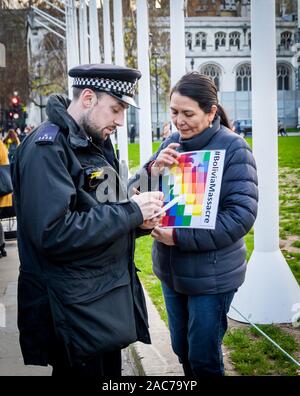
(210, 124)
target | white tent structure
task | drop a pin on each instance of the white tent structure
(270, 292)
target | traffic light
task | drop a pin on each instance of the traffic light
(15, 112)
(15, 101)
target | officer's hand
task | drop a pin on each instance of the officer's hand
(149, 203)
(167, 157)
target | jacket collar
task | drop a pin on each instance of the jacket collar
(202, 139)
(56, 110)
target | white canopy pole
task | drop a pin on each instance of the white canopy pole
(270, 292)
(145, 129)
(177, 37)
(106, 32)
(84, 41)
(107, 42)
(74, 28)
(69, 40)
(120, 60)
(94, 32)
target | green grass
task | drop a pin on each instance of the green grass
(134, 154)
(288, 152)
(150, 281)
(250, 353)
(293, 129)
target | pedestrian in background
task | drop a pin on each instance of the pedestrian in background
(12, 142)
(132, 133)
(281, 129)
(5, 200)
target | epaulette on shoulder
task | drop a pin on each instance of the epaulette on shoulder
(47, 133)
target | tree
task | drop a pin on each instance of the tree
(159, 40)
(30, 83)
(13, 77)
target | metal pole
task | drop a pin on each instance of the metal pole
(49, 29)
(55, 7)
(177, 40)
(270, 291)
(94, 32)
(40, 96)
(156, 90)
(84, 42)
(122, 136)
(106, 32)
(57, 22)
(74, 28)
(69, 43)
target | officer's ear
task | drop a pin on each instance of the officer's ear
(88, 98)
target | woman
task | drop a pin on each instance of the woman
(5, 200)
(201, 269)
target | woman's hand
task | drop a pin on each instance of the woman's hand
(163, 235)
(167, 157)
(150, 224)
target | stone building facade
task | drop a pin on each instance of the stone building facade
(220, 46)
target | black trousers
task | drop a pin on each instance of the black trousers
(108, 364)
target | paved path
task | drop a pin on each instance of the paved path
(11, 362)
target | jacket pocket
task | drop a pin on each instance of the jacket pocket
(101, 320)
(72, 285)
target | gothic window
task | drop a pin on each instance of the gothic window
(188, 40)
(235, 39)
(286, 40)
(220, 40)
(213, 72)
(228, 5)
(283, 77)
(243, 78)
(249, 39)
(201, 40)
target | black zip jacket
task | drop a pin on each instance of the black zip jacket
(77, 281)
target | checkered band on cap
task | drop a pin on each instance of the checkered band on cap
(105, 84)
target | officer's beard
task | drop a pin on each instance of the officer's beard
(98, 136)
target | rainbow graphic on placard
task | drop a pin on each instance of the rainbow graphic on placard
(191, 179)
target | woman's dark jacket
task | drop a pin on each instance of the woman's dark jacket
(213, 261)
(77, 281)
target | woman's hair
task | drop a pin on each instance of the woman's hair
(202, 90)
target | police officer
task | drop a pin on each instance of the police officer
(79, 299)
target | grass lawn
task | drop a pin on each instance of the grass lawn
(250, 353)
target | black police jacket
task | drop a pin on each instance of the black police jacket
(77, 281)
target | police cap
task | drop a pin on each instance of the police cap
(117, 81)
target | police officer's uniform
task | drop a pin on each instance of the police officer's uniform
(78, 294)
